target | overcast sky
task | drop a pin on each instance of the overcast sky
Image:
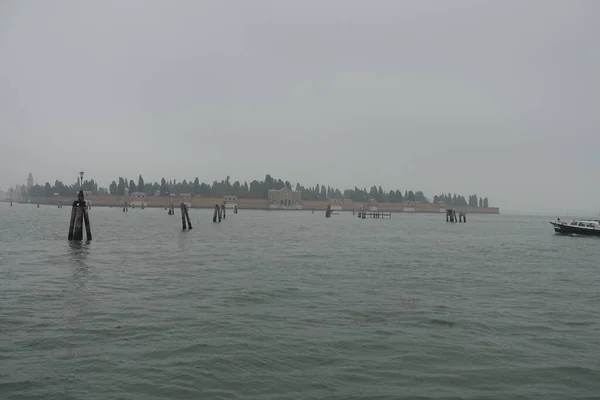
(499, 98)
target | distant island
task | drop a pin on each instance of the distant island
(254, 190)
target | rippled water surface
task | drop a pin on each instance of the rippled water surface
(290, 305)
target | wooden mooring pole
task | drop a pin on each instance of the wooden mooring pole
(217, 213)
(185, 216)
(451, 216)
(79, 218)
(223, 211)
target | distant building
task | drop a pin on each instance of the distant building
(17, 193)
(230, 201)
(372, 205)
(336, 204)
(285, 199)
(157, 193)
(29, 181)
(138, 199)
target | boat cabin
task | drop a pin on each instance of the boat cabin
(586, 224)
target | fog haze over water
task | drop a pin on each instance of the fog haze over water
(494, 98)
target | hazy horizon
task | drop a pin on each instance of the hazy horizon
(493, 98)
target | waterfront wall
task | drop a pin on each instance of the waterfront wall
(260, 204)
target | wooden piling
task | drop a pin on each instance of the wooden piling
(185, 216)
(219, 212)
(79, 218)
(78, 231)
(216, 214)
(72, 222)
(235, 209)
(328, 211)
(451, 216)
(223, 211)
(88, 228)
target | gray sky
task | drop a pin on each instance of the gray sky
(499, 98)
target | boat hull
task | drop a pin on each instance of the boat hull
(565, 229)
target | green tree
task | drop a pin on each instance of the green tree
(380, 194)
(399, 197)
(141, 186)
(113, 188)
(121, 187)
(132, 187)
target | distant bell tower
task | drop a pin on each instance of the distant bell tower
(29, 181)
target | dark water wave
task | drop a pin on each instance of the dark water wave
(294, 306)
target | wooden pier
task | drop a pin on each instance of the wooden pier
(374, 214)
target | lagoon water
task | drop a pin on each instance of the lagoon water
(290, 305)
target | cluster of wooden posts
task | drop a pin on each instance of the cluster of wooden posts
(451, 216)
(185, 216)
(219, 213)
(171, 209)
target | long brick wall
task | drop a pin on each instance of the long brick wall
(260, 204)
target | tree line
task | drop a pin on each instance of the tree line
(255, 189)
